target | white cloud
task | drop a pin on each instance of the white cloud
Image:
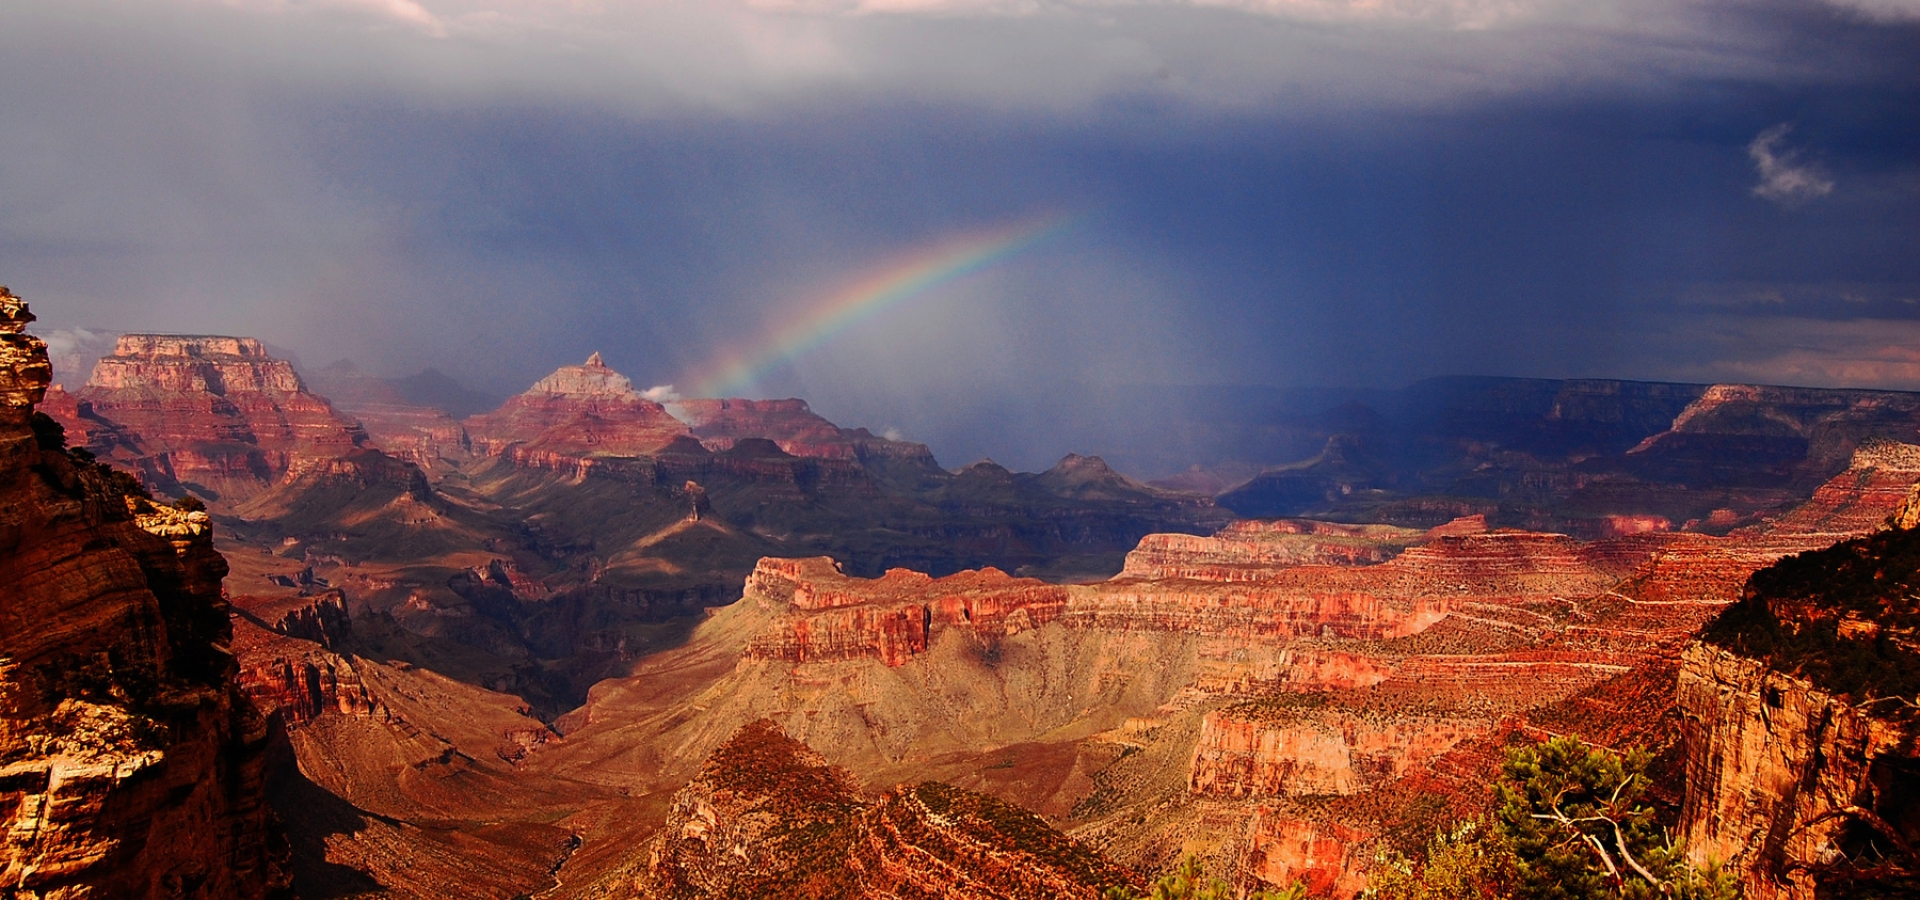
(740, 56)
(1783, 177)
(73, 351)
(661, 393)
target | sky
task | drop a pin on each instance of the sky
(1234, 192)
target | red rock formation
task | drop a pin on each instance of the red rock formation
(299, 680)
(891, 617)
(789, 423)
(1879, 479)
(1251, 550)
(1277, 749)
(767, 817)
(212, 414)
(1772, 764)
(1284, 848)
(133, 768)
(578, 411)
(1398, 671)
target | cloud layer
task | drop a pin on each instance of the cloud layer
(1274, 191)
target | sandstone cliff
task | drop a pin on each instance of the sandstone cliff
(214, 415)
(130, 764)
(1802, 706)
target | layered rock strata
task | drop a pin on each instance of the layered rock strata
(891, 617)
(588, 410)
(215, 415)
(1250, 550)
(1265, 749)
(1288, 714)
(130, 765)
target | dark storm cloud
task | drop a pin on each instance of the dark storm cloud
(1270, 191)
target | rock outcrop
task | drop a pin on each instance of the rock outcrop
(1250, 550)
(889, 618)
(131, 767)
(789, 423)
(1802, 717)
(214, 415)
(767, 816)
(588, 410)
(1269, 748)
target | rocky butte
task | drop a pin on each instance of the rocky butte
(214, 415)
(583, 410)
(130, 765)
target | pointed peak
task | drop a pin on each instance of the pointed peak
(590, 379)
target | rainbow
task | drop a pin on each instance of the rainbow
(912, 274)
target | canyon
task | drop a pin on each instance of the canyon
(1285, 719)
(588, 644)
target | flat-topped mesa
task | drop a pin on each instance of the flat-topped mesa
(193, 362)
(588, 410)
(891, 618)
(1402, 596)
(1250, 550)
(209, 413)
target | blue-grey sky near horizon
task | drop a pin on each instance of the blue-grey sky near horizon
(1262, 192)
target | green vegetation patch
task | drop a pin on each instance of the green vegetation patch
(1844, 618)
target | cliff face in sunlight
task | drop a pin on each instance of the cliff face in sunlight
(584, 410)
(130, 764)
(1803, 733)
(214, 415)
